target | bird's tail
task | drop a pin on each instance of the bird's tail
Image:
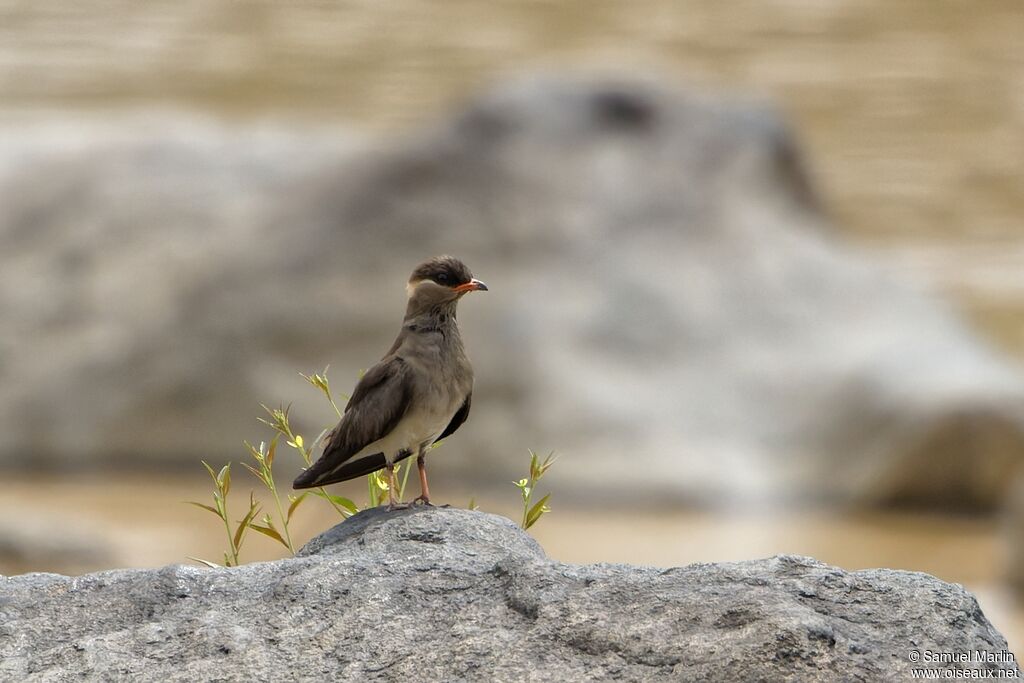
(316, 476)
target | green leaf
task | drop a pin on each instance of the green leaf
(238, 534)
(296, 501)
(278, 419)
(320, 381)
(337, 500)
(224, 479)
(256, 453)
(211, 565)
(281, 414)
(213, 475)
(546, 465)
(271, 449)
(218, 501)
(204, 506)
(537, 510)
(254, 509)
(256, 473)
(268, 531)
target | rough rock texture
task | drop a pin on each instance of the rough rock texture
(664, 284)
(452, 595)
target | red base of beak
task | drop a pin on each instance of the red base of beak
(471, 286)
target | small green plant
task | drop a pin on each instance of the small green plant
(532, 512)
(278, 526)
(221, 486)
(264, 471)
(320, 381)
(279, 421)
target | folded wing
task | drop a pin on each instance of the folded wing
(459, 417)
(377, 405)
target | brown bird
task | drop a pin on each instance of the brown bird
(418, 393)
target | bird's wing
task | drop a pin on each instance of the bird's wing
(353, 469)
(379, 401)
(458, 418)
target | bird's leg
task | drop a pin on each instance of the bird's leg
(421, 463)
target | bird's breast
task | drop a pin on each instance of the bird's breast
(437, 403)
(443, 379)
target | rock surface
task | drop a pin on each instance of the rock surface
(438, 594)
(664, 284)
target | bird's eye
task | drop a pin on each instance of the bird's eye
(442, 279)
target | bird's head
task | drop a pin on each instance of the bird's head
(439, 281)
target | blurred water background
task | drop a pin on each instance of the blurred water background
(768, 298)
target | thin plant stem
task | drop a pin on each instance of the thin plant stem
(280, 512)
(333, 404)
(333, 504)
(227, 527)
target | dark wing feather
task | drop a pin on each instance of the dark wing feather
(458, 418)
(358, 468)
(379, 401)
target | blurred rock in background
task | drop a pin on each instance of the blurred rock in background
(71, 548)
(1013, 536)
(670, 306)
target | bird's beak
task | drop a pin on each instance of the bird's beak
(471, 286)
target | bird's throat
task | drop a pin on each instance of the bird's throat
(429, 316)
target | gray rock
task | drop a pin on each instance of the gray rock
(453, 595)
(665, 290)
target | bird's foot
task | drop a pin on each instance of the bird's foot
(422, 500)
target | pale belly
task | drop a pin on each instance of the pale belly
(415, 428)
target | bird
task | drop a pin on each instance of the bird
(419, 392)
